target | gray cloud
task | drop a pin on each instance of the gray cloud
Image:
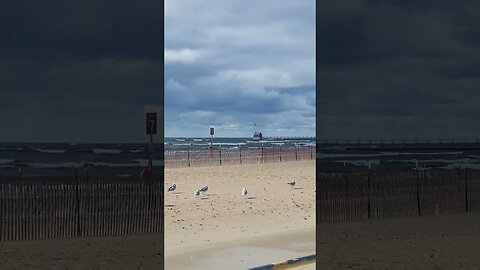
(231, 64)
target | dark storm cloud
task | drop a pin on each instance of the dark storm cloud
(82, 29)
(398, 68)
(91, 66)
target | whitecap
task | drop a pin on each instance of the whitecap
(6, 161)
(106, 151)
(51, 151)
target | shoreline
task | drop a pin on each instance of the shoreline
(269, 247)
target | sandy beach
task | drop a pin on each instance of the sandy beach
(271, 225)
(427, 242)
(436, 242)
(275, 222)
(253, 230)
(221, 228)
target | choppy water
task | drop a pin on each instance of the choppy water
(129, 159)
(62, 158)
(182, 143)
(399, 156)
(108, 159)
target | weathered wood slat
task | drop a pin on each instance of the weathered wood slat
(60, 207)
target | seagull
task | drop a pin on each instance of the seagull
(204, 189)
(172, 187)
(197, 193)
(292, 183)
(244, 191)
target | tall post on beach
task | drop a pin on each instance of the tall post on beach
(212, 132)
(150, 148)
(151, 126)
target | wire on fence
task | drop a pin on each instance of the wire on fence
(235, 156)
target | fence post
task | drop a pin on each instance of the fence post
(188, 156)
(77, 200)
(369, 192)
(296, 157)
(418, 192)
(466, 190)
(2, 212)
(347, 184)
(149, 191)
(263, 161)
(280, 153)
(240, 148)
(220, 156)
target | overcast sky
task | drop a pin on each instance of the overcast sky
(79, 71)
(86, 71)
(233, 63)
(398, 69)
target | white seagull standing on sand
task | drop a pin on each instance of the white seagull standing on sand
(204, 189)
(197, 193)
(292, 183)
(244, 191)
(172, 187)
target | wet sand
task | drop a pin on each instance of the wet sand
(248, 252)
